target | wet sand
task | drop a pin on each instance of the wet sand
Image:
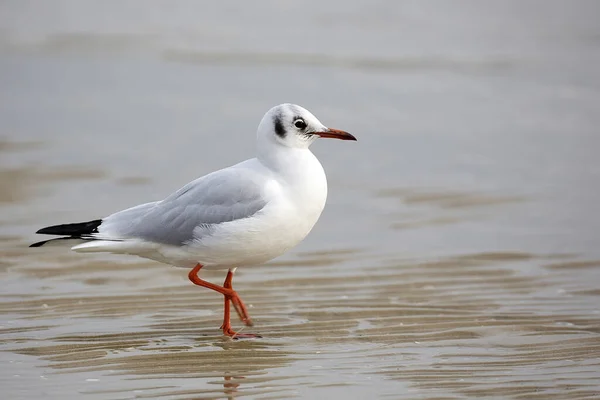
(471, 326)
(457, 256)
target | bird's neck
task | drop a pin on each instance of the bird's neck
(297, 166)
(306, 181)
(294, 164)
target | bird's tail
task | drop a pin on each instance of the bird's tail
(80, 230)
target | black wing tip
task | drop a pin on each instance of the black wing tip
(76, 229)
(69, 231)
(43, 242)
(39, 244)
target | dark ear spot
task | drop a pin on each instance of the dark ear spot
(279, 128)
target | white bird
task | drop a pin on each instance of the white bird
(243, 215)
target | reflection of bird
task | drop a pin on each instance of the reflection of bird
(230, 388)
(246, 214)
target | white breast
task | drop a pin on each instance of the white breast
(297, 198)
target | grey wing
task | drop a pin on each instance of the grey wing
(193, 211)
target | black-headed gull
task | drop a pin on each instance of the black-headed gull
(243, 215)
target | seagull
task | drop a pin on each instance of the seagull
(243, 215)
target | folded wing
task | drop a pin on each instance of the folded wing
(192, 212)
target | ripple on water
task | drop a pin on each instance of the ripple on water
(469, 325)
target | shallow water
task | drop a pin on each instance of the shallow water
(457, 256)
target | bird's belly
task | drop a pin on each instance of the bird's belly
(254, 240)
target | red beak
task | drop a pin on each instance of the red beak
(335, 134)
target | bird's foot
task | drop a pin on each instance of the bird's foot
(227, 331)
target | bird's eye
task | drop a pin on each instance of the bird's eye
(299, 123)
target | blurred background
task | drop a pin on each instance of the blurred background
(458, 253)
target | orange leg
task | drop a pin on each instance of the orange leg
(238, 304)
(240, 308)
(230, 295)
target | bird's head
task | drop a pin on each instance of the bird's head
(293, 126)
